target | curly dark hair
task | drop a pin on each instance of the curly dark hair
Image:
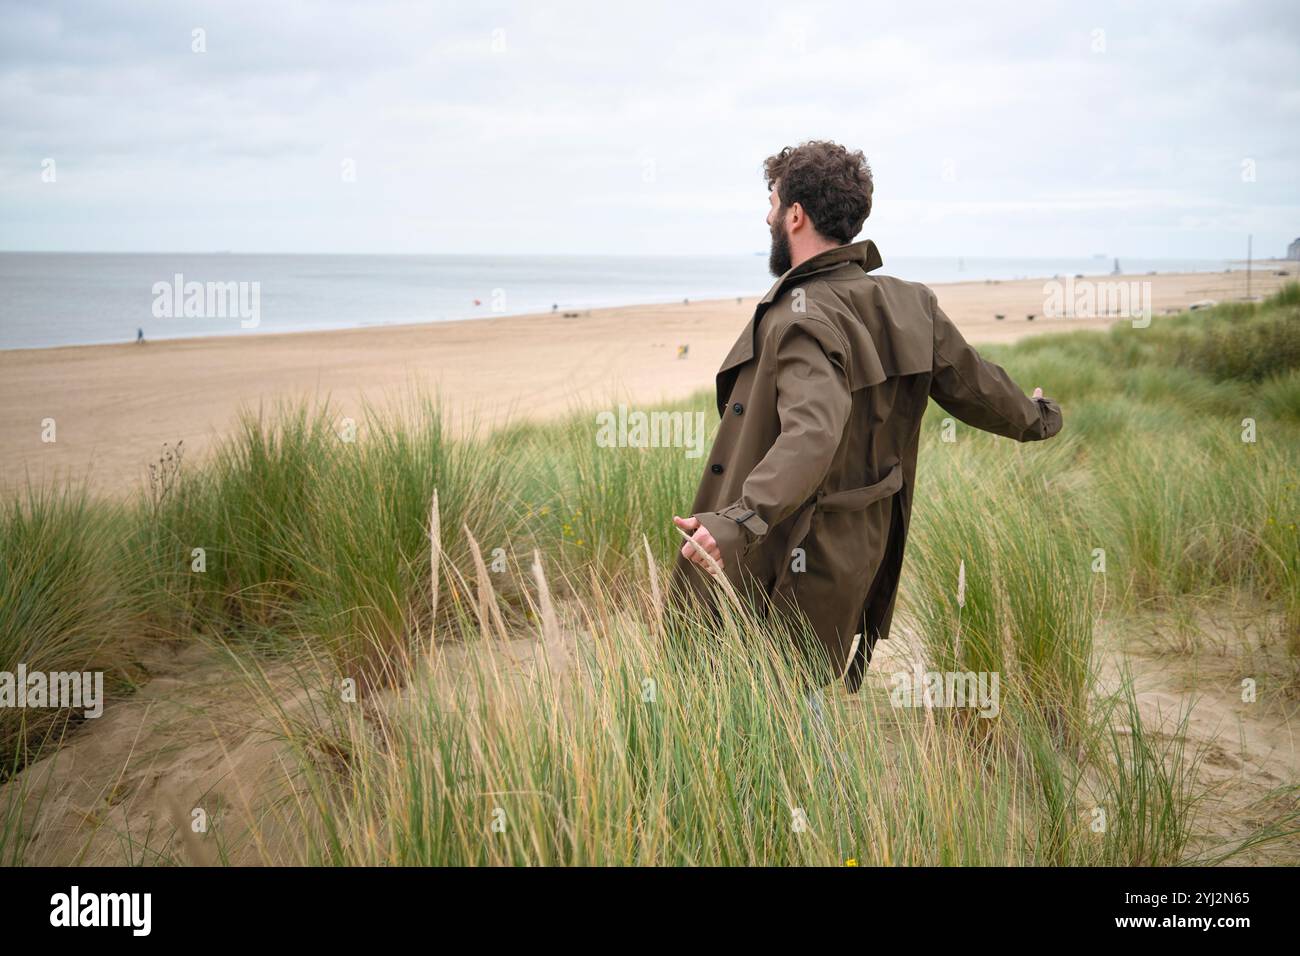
(832, 184)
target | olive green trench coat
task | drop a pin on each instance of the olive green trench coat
(808, 488)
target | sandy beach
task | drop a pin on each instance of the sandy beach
(115, 405)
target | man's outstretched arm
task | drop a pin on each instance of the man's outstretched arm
(982, 394)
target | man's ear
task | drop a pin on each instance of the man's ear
(797, 216)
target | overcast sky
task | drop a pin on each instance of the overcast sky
(1027, 128)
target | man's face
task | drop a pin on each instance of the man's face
(778, 259)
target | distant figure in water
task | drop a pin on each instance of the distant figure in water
(139, 336)
(1116, 270)
(554, 308)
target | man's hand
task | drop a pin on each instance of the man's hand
(1038, 393)
(700, 535)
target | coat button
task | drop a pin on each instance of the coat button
(716, 469)
(738, 408)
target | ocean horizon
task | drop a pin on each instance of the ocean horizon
(52, 299)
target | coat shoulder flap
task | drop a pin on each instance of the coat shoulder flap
(842, 334)
(900, 316)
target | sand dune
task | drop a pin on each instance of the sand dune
(121, 789)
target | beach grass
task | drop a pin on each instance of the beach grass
(710, 755)
(62, 608)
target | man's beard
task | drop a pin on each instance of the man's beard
(778, 260)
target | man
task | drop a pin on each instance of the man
(806, 497)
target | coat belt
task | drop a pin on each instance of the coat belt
(853, 499)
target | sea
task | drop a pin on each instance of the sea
(72, 298)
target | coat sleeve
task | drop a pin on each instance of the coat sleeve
(813, 403)
(982, 394)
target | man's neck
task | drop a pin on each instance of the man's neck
(799, 257)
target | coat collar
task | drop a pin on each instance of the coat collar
(864, 254)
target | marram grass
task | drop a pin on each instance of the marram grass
(619, 749)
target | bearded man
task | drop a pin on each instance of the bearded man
(807, 494)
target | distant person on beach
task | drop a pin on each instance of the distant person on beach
(807, 494)
(139, 336)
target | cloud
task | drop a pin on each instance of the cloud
(517, 127)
